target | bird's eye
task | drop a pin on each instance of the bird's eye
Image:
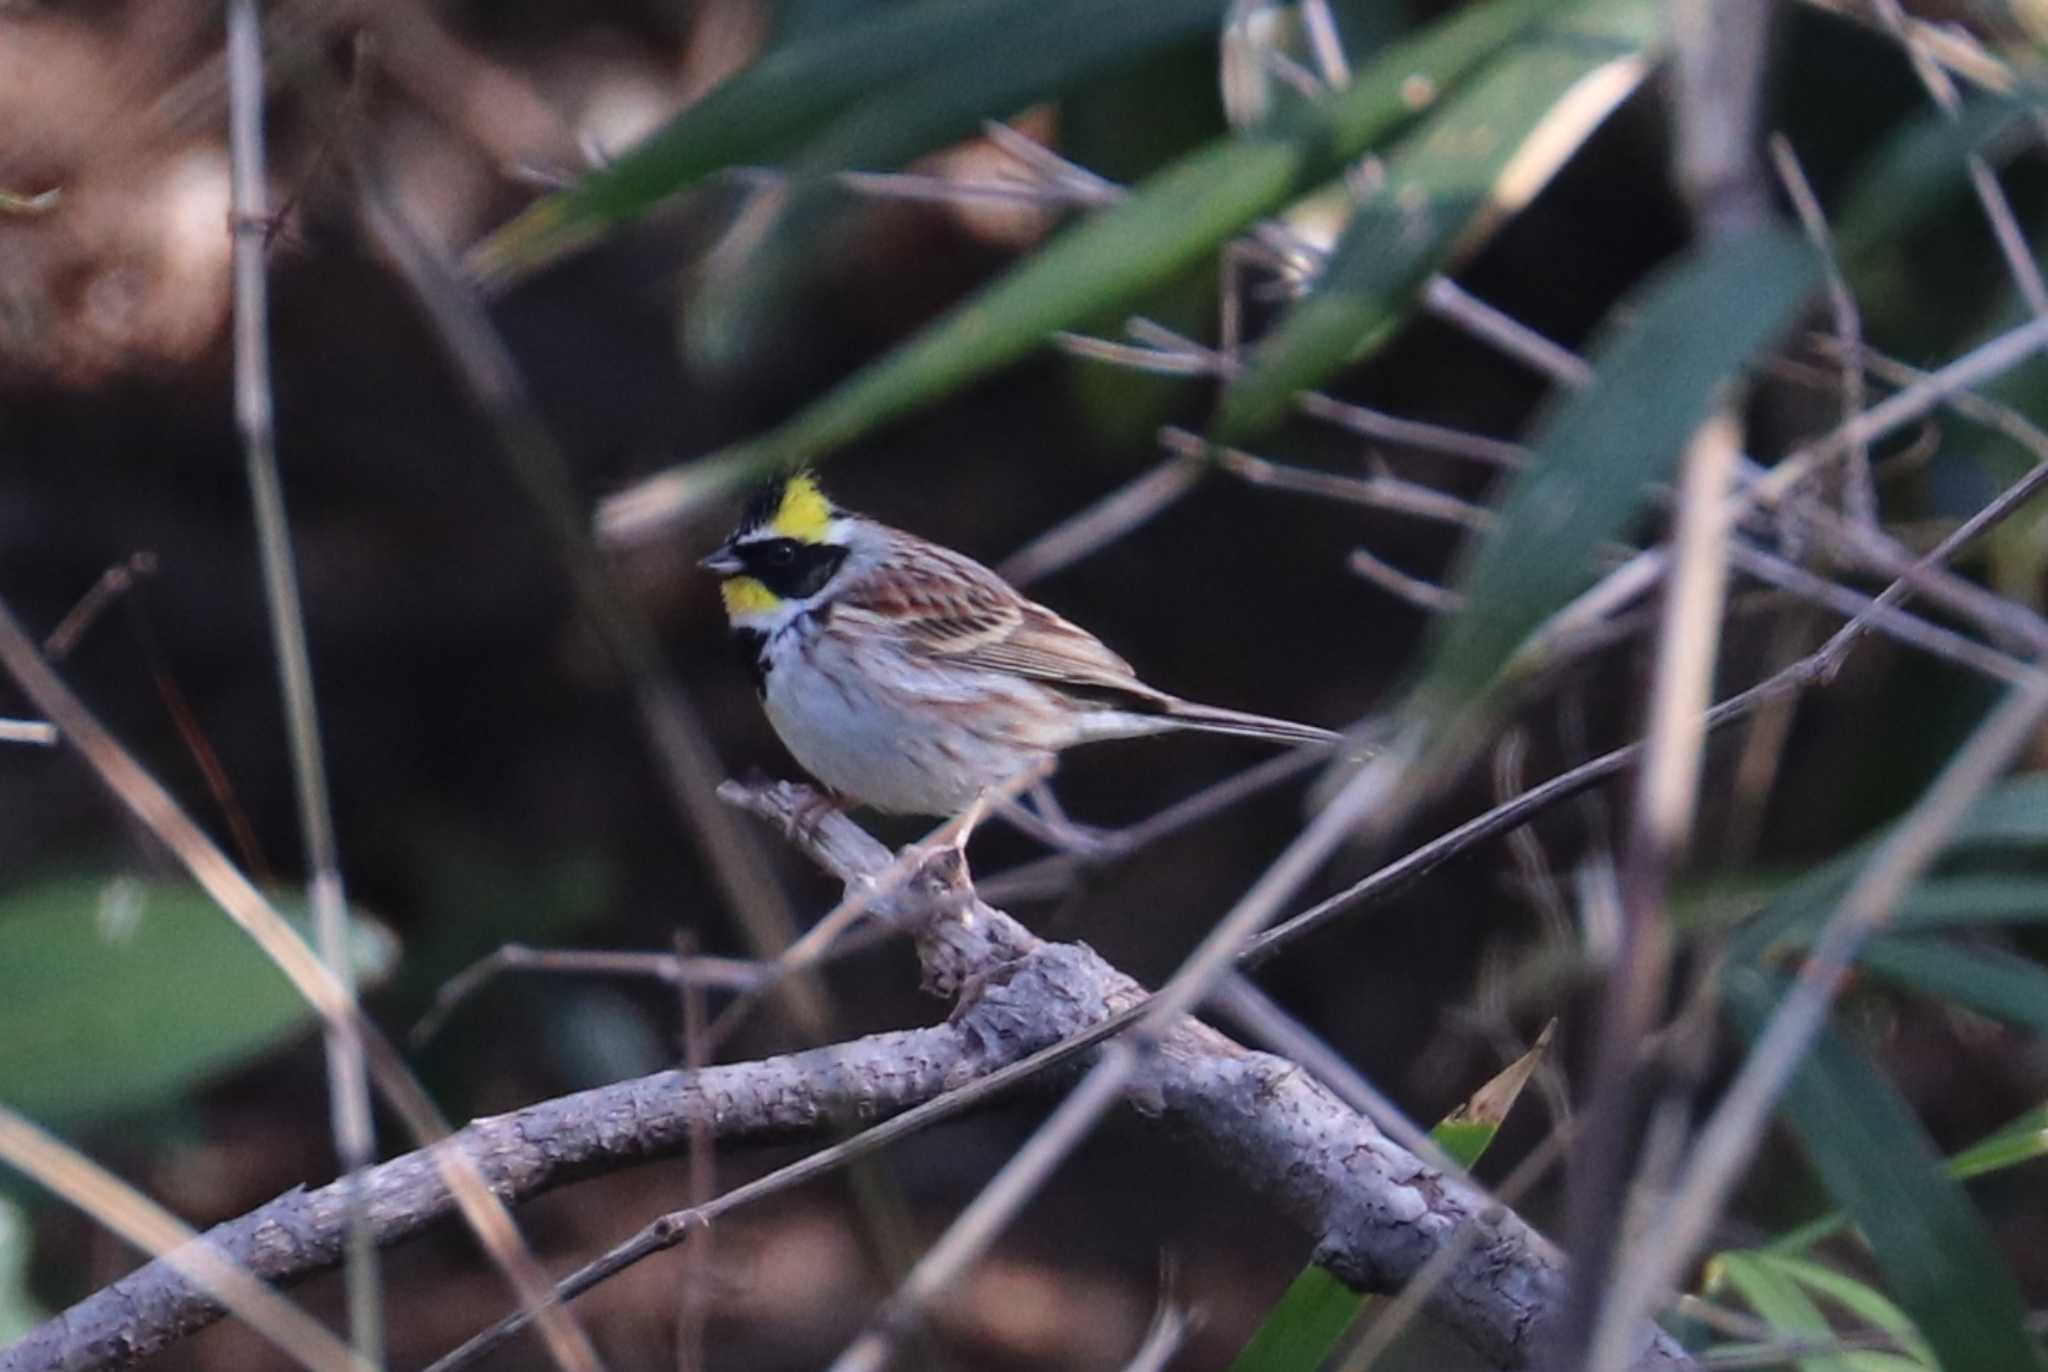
(780, 554)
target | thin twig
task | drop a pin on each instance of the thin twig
(1424, 595)
(997, 1204)
(34, 731)
(68, 1173)
(1868, 613)
(1859, 495)
(348, 1082)
(733, 974)
(1108, 519)
(1446, 298)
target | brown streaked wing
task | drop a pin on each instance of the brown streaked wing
(948, 606)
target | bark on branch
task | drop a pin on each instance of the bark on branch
(1377, 1213)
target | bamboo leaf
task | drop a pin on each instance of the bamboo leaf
(1444, 191)
(2024, 1140)
(763, 114)
(1170, 221)
(1655, 381)
(1860, 1299)
(1878, 1164)
(1036, 52)
(1997, 984)
(1779, 1302)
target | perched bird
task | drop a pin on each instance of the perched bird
(910, 678)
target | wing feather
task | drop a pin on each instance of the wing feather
(948, 607)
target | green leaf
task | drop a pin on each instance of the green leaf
(1878, 1164)
(1779, 1302)
(1171, 220)
(1860, 1299)
(1441, 195)
(2000, 985)
(2022, 1141)
(1655, 381)
(1304, 1325)
(1913, 172)
(2025, 1139)
(1947, 902)
(1035, 53)
(117, 994)
(762, 114)
(2013, 814)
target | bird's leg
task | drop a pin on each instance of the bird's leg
(806, 822)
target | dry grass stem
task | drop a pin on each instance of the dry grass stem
(69, 1174)
(348, 1082)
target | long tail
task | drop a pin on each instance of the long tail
(1211, 719)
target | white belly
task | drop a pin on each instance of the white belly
(864, 741)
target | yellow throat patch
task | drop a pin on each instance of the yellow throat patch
(804, 511)
(743, 595)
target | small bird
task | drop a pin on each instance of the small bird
(910, 678)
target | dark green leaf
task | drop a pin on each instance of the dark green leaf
(115, 994)
(2013, 814)
(1034, 54)
(1655, 381)
(1170, 221)
(1439, 187)
(1878, 1164)
(761, 115)
(1913, 172)
(2000, 985)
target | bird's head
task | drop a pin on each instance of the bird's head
(790, 543)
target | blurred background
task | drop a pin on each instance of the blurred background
(491, 781)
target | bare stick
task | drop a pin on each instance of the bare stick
(1731, 1135)
(1448, 299)
(1865, 613)
(1423, 595)
(34, 731)
(733, 974)
(1108, 519)
(348, 1080)
(68, 1173)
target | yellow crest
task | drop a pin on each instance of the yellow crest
(803, 512)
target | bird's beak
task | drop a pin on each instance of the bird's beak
(722, 562)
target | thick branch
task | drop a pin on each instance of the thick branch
(1377, 1213)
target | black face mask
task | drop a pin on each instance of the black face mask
(791, 568)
